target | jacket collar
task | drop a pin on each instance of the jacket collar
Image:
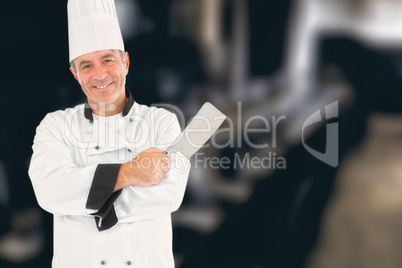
(130, 102)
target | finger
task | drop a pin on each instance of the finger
(154, 150)
(165, 162)
(165, 158)
(161, 175)
(158, 179)
(157, 173)
(165, 167)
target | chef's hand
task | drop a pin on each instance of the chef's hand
(146, 169)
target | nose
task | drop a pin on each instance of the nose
(99, 72)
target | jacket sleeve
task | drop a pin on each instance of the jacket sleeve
(61, 187)
(139, 203)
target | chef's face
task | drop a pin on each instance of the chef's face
(102, 76)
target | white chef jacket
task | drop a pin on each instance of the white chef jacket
(74, 167)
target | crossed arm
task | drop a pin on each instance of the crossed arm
(131, 191)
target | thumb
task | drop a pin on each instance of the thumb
(154, 150)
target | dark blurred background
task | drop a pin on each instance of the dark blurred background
(249, 58)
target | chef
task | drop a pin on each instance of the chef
(99, 167)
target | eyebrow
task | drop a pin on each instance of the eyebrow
(83, 63)
(103, 57)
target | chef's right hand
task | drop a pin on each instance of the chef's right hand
(146, 169)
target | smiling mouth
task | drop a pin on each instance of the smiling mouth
(103, 86)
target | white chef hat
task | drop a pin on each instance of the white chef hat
(92, 26)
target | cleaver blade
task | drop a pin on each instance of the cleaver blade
(203, 125)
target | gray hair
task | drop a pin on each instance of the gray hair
(74, 67)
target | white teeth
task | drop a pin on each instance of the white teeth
(102, 86)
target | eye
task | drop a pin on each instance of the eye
(85, 67)
(108, 61)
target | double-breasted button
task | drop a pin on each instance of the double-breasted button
(129, 150)
(131, 120)
(128, 262)
(97, 147)
(103, 262)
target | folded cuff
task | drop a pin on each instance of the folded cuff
(101, 196)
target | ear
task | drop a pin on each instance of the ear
(127, 61)
(74, 74)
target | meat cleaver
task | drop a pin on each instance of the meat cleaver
(203, 125)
